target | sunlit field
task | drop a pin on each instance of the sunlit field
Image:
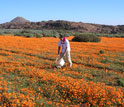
(29, 78)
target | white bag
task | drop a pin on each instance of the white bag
(59, 62)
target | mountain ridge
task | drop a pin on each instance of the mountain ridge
(64, 25)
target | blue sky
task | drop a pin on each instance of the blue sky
(109, 12)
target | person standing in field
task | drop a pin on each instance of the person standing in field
(65, 51)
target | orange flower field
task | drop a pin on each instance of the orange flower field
(29, 78)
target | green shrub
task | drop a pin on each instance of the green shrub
(86, 38)
(120, 82)
(101, 51)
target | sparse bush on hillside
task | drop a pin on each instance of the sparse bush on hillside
(53, 33)
(111, 35)
(8, 31)
(1, 33)
(27, 33)
(35, 33)
(50, 33)
(86, 38)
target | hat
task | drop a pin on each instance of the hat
(61, 36)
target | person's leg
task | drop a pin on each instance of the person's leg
(68, 57)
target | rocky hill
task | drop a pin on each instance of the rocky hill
(21, 23)
(19, 20)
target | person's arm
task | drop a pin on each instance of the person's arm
(58, 50)
(59, 46)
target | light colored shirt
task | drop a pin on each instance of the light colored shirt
(64, 45)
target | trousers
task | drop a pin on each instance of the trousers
(67, 57)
